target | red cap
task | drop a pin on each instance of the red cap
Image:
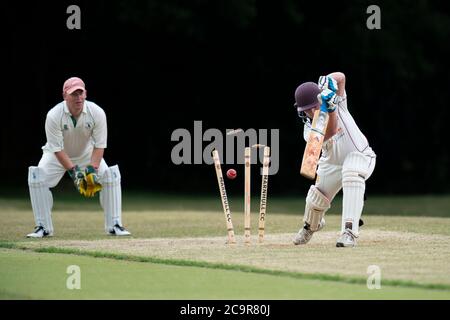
(73, 84)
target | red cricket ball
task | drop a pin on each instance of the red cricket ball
(231, 174)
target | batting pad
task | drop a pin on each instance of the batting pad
(354, 173)
(41, 198)
(111, 198)
(316, 206)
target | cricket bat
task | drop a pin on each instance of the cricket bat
(313, 147)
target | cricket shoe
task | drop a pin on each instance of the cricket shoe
(39, 232)
(305, 234)
(118, 230)
(347, 239)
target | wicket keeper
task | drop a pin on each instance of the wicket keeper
(76, 132)
(347, 161)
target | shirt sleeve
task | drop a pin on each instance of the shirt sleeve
(306, 131)
(343, 102)
(100, 131)
(55, 140)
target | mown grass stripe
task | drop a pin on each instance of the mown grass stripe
(8, 245)
(222, 266)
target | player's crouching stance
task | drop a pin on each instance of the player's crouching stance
(76, 133)
(347, 160)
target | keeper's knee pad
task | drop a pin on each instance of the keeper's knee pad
(111, 197)
(41, 198)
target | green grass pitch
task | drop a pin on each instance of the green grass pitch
(178, 251)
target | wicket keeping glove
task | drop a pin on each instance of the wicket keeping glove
(327, 82)
(328, 100)
(92, 182)
(78, 178)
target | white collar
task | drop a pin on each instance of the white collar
(66, 108)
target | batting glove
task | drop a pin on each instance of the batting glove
(327, 82)
(92, 182)
(78, 179)
(328, 100)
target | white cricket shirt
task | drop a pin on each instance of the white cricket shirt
(79, 139)
(348, 139)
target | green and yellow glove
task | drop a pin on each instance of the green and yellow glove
(78, 178)
(93, 184)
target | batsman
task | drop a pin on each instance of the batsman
(76, 132)
(346, 161)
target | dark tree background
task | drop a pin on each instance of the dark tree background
(158, 65)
